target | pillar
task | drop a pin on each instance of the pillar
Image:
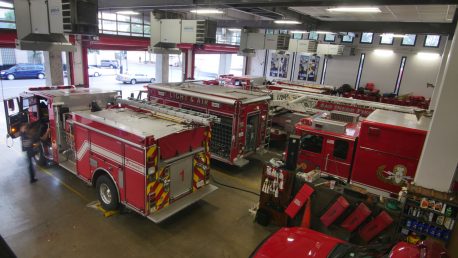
(77, 64)
(189, 65)
(440, 75)
(439, 158)
(54, 68)
(162, 68)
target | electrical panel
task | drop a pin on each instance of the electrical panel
(198, 31)
(277, 41)
(330, 49)
(166, 33)
(250, 40)
(302, 46)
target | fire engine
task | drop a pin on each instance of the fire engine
(151, 158)
(381, 153)
(243, 114)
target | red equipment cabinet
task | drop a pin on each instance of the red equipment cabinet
(151, 158)
(243, 114)
(330, 151)
(388, 151)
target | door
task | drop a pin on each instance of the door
(15, 115)
(251, 134)
(181, 173)
(311, 152)
(338, 157)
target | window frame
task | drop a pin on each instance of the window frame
(368, 43)
(438, 42)
(414, 41)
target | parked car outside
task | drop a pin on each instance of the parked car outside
(93, 71)
(134, 78)
(113, 64)
(23, 71)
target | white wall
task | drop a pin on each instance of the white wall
(341, 70)
(255, 64)
(381, 70)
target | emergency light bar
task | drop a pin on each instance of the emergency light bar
(190, 115)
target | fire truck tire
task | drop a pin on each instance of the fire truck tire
(40, 157)
(107, 193)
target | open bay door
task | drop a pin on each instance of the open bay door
(15, 115)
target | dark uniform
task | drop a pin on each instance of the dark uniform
(28, 140)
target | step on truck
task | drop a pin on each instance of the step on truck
(151, 158)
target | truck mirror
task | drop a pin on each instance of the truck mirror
(11, 104)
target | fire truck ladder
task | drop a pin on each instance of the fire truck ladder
(306, 102)
(188, 115)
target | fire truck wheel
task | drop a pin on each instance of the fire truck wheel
(107, 193)
(40, 158)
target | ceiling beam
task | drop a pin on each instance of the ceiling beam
(339, 26)
(171, 4)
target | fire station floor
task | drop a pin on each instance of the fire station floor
(51, 219)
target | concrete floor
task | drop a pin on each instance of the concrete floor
(50, 218)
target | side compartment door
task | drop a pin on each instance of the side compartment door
(15, 116)
(134, 175)
(82, 148)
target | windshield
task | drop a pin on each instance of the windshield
(353, 251)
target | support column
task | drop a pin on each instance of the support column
(77, 67)
(162, 68)
(439, 159)
(54, 68)
(189, 65)
(440, 75)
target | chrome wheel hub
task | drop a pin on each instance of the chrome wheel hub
(105, 193)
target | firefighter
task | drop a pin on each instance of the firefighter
(28, 137)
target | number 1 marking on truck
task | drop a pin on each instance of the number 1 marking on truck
(182, 175)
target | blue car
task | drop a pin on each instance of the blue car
(23, 71)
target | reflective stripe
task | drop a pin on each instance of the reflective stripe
(82, 151)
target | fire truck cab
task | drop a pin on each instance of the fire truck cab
(328, 144)
(243, 116)
(151, 158)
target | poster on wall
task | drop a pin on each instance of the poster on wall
(308, 68)
(279, 65)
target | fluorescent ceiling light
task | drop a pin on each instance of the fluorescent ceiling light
(206, 11)
(383, 52)
(286, 22)
(355, 9)
(323, 32)
(428, 55)
(234, 29)
(128, 12)
(299, 31)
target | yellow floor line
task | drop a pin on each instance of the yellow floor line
(71, 189)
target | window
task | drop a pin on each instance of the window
(348, 38)
(7, 18)
(367, 37)
(312, 143)
(269, 31)
(409, 40)
(386, 39)
(135, 25)
(329, 37)
(400, 74)
(297, 35)
(432, 41)
(340, 149)
(360, 70)
(313, 35)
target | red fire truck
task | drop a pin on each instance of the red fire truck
(151, 158)
(380, 153)
(244, 116)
